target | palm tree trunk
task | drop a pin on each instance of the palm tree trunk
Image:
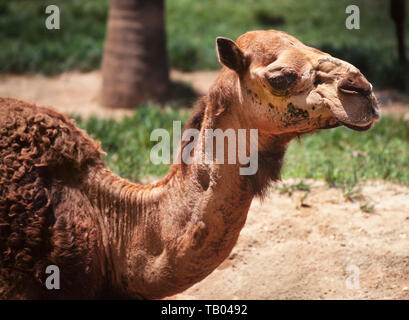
(398, 15)
(135, 64)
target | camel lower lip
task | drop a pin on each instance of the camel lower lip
(330, 126)
(357, 128)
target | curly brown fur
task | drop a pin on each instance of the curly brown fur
(40, 148)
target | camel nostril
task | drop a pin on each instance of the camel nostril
(355, 84)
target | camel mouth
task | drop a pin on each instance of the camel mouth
(354, 116)
(357, 128)
(331, 126)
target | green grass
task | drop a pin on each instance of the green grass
(192, 27)
(127, 141)
(342, 157)
(27, 46)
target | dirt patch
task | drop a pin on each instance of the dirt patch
(69, 92)
(78, 93)
(327, 248)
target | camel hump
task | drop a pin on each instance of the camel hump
(38, 136)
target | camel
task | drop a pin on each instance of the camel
(111, 238)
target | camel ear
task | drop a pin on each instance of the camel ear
(231, 55)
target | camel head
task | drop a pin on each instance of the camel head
(288, 87)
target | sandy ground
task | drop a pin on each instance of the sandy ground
(78, 93)
(327, 250)
(323, 247)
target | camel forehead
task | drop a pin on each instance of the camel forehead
(267, 38)
(267, 45)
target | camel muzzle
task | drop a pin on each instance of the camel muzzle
(359, 108)
(356, 84)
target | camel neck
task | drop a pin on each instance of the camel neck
(164, 237)
(189, 231)
(192, 223)
(160, 239)
(111, 197)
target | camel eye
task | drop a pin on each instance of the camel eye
(282, 79)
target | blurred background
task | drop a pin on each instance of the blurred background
(123, 68)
